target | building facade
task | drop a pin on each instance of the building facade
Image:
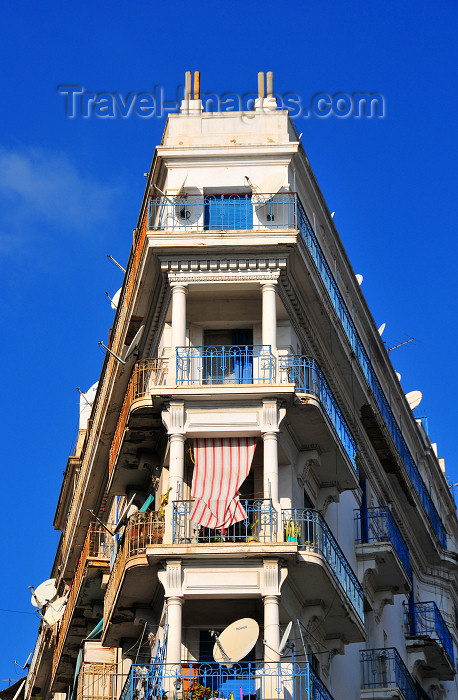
(248, 452)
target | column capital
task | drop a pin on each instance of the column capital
(179, 287)
(265, 284)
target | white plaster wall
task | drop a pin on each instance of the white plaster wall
(346, 674)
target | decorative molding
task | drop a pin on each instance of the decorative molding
(174, 417)
(210, 269)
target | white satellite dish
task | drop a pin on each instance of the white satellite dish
(270, 185)
(285, 637)
(126, 513)
(132, 347)
(236, 641)
(398, 374)
(44, 593)
(359, 279)
(414, 398)
(381, 329)
(115, 300)
(55, 610)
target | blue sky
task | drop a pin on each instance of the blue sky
(70, 191)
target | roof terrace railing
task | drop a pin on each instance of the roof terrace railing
(309, 529)
(364, 362)
(378, 525)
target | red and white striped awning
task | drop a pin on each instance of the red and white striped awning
(221, 467)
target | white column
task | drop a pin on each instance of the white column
(176, 466)
(271, 628)
(174, 618)
(269, 314)
(271, 466)
(179, 292)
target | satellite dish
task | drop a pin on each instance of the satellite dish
(381, 329)
(236, 641)
(414, 398)
(115, 300)
(270, 185)
(359, 279)
(126, 513)
(332, 214)
(398, 374)
(132, 347)
(285, 637)
(45, 592)
(55, 610)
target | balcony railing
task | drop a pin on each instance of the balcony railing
(223, 212)
(260, 525)
(364, 362)
(306, 374)
(96, 546)
(425, 620)
(219, 364)
(308, 528)
(196, 681)
(96, 681)
(378, 525)
(146, 374)
(384, 668)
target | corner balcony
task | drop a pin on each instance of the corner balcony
(384, 676)
(218, 364)
(195, 681)
(85, 590)
(334, 589)
(223, 212)
(381, 551)
(429, 641)
(260, 526)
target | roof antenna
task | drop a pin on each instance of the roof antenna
(116, 263)
(26, 665)
(395, 347)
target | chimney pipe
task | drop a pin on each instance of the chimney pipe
(270, 84)
(187, 85)
(197, 85)
(261, 93)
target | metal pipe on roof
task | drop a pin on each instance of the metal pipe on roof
(197, 85)
(187, 85)
(270, 84)
(261, 92)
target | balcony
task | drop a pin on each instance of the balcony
(194, 681)
(97, 681)
(429, 640)
(85, 590)
(260, 525)
(217, 364)
(223, 212)
(382, 551)
(328, 572)
(385, 676)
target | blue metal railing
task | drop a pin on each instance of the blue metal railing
(384, 668)
(377, 525)
(201, 681)
(260, 525)
(364, 362)
(308, 528)
(306, 374)
(223, 212)
(220, 364)
(425, 620)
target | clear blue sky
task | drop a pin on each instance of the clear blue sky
(70, 191)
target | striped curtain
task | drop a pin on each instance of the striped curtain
(221, 467)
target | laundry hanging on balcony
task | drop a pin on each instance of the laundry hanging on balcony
(221, 466)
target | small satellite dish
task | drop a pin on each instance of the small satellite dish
(285, 637)
(132, 347)
(332, 214)
(381, 329)
(115, 300)
(414, 398)
(45, 592)
(398, 374)
(359, 279)
(55, 610)
(125, 514)
(236, 641)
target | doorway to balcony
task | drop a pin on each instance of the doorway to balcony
(228, 356)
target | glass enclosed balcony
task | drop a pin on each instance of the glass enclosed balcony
(384, 675)
(222, 212)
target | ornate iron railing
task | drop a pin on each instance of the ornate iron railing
(219, 364)
(377, 525)
(384, 668)
(222, 212)
(194, 681)
(146, 374)
(308, 528)
(425, 620)
(306, 374)
(260, 525)
(364, 362)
